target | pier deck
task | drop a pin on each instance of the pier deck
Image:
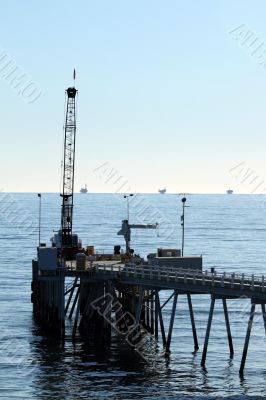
(127, 289)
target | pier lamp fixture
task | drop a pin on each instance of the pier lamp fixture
(183, 223)
(40, 214)
(126, 196)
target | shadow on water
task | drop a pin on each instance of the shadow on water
(83, 370)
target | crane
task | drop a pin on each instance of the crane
(126, 231)
(67, 242)
(68, 168)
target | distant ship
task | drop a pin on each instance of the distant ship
(229, 191)
(84, 190)
(162, 191)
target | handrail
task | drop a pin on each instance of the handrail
(188, 276)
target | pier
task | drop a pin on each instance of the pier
(121, 291)
(101, 295)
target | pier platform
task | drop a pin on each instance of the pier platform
(105, 294)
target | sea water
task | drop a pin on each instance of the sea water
(229, 231)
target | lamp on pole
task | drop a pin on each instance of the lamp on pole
(40, 213)
(126, 196)
(183, 224)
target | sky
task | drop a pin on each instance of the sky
(170, 94)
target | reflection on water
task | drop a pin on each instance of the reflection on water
(82, 371)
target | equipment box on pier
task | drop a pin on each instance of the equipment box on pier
(168, 252)
(178, 262)
(47, 258)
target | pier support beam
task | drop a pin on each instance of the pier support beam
(205, 348)
(74, 303)
(139, 306)
(107, 320)
(229, 336)
(77, 316)
(121, 322)
(245, 350)
(263, 315)
(71, 295)
(49, 301)
(156, 318)
(158, 306)
(147, 309)
(152, 313)
(195, 338)
(169, 336)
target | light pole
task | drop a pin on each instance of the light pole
(40, 213)
(126, 196)
(183, 224)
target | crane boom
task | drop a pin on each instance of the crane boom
(68, 171)
(126, 230)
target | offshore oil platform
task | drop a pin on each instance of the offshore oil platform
(121, 291)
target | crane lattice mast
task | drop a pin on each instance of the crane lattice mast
(69, 165)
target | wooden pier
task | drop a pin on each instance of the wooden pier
(106, 295)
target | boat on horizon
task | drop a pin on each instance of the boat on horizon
(84, 190)
(162, 191)
(229, 191)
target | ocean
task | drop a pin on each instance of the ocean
(229, 231)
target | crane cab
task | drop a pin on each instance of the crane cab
(70, 248)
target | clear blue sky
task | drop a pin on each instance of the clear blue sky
(166, 95)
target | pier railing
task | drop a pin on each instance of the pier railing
(190, 277)
(229, 280)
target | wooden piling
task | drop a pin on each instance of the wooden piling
(156, 317)
(147, 305)
(229, 336)
(93, 324)
(48, 300)
(245, 350)
(71, 295)
(157, 299)
(205, 348)
(74, 303)
(169, 336)
(193, 325)
(106, 323)
(152, 312)
(75, 325)
(139, 306)
(263, 315)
